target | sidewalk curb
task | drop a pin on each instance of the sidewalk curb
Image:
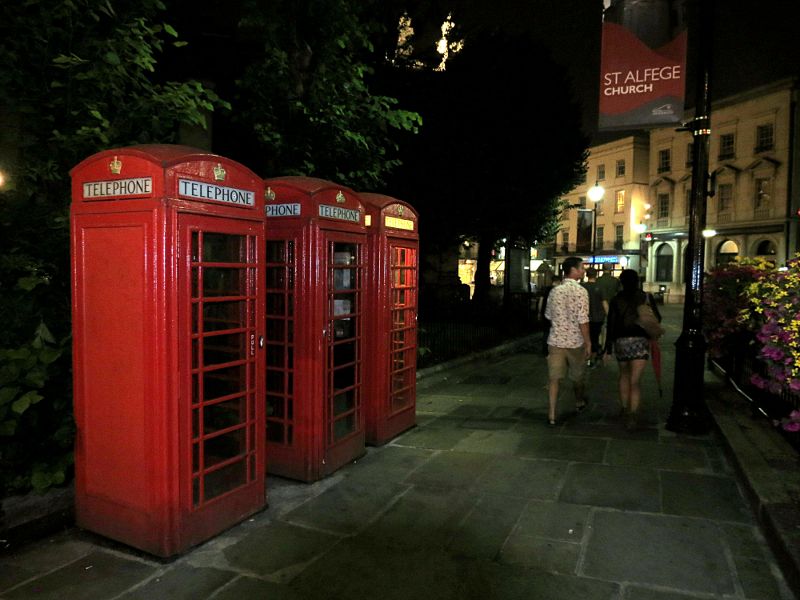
(768, 467)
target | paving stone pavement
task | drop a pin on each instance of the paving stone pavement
(480, 500)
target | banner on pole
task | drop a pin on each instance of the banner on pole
(639, 86)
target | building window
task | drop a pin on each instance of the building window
(664, 263)
(582, 201)
(724, 197)
(763, 192)
(727, 146)
(619, 201)
(689, 154)
(663, 206)
(565, 240)
(621, 168)
(664, 161)
(619, 232)
(601, 172)
(765, 137)
(599, 238)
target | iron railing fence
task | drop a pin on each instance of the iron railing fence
(739, 367)
(442, 337)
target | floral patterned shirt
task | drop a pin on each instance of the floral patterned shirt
(567, 308)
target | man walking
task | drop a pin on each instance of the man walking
(569, 344)
(597, 313)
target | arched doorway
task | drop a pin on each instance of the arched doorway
(726, 252)
(664, 263)
(766, 248)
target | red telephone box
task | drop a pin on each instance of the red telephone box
(390, 361)
(314, 310)
(168, 322)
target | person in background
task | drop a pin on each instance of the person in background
(608, 285)
(597, 312)
(569, 346)
(545, 321)
(629, 344)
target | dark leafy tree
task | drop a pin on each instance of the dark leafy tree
(75, 77)
(306, 95)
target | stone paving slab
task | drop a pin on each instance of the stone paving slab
(710, 496)
(97, 576)
(243, 588)
(278, 550)
(181, 582)
(523, 477)
(677, 552)
(487, 527)
(626, 488)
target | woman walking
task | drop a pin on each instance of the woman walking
(629, 343)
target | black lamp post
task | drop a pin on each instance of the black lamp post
(689, 413)
(595, 195)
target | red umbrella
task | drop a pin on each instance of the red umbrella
(655, 356)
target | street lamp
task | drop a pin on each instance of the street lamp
(595, 194)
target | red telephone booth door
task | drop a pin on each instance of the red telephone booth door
(222, 389)
(403, 307)
(344, 419)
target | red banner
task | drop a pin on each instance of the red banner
(639, 86)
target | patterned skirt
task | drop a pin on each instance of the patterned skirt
(632, 348)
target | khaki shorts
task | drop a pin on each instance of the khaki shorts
(561, 359)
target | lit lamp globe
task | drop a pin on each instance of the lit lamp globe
(709, 233)
(596, 192)
(640, 228)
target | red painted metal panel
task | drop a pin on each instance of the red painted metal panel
(314, 272)
(391, 324)
(134, 302)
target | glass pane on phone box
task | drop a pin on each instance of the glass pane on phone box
(344, 353)
(224, 348)
(276, 304)
(275, 406)
(219, 281)
(344, 401)
(275, 432)
(224, 414)
(276, 251)
(223, 315)
(276, 330)
(224, 247)
(223, 447)
(344, 304)
(343, 328)
(344, 427)
(275, 381)
(225, 479)
(344, 377)
(224, 382)
(276, 278)
(344, 254)
(275, 354)
(402, 399)
(344, 279)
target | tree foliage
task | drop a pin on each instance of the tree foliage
(76, 76)
(307, 97)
